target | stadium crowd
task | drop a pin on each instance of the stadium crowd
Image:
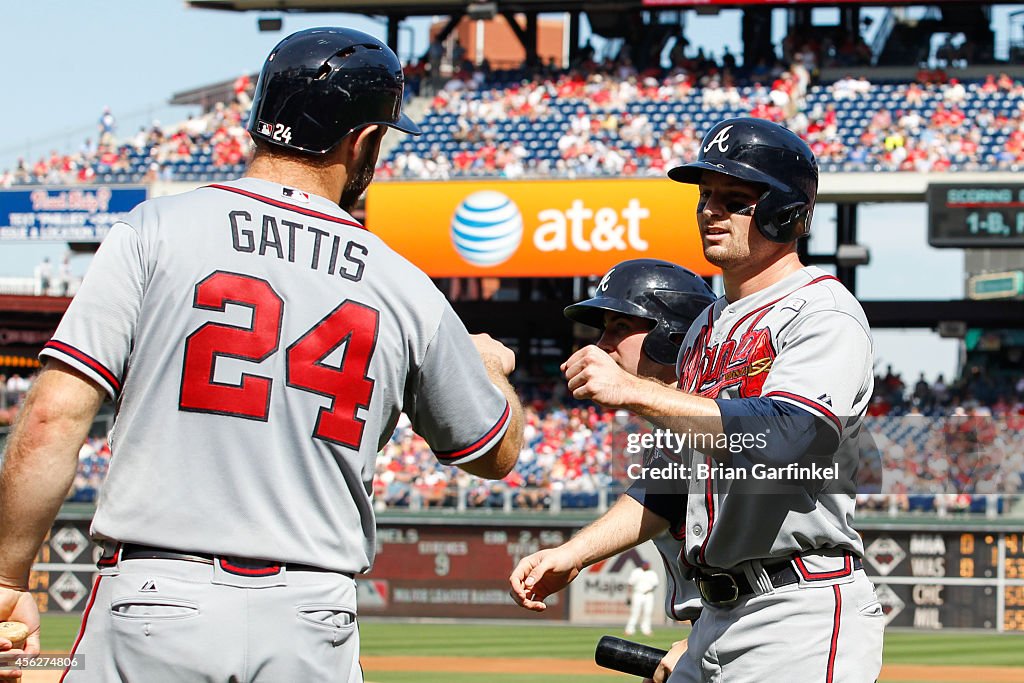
(212, 144)
(609, 118)
(944, 446)
(610, 121)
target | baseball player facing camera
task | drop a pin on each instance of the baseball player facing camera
(261, 345)
(643, 308)
(788, 347)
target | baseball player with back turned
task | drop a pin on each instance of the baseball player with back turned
(261, 345)
(786, 353)
(644, 308)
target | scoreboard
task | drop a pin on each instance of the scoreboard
(975, 216)
(943, 577)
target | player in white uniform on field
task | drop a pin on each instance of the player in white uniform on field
(785, 356)
(642, 582)
(260, 344)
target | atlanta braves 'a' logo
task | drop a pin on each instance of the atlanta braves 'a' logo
(720, 139)
(743, 362)
(603, 285)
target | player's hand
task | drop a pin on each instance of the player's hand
(539, 575)
(17, 605)
(489, 347)
(668, 662)
(592, 374)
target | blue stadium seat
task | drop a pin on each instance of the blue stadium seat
(921, 503)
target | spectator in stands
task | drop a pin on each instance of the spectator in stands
(43, 274)
(435, 55)
(242, 88)
(107, 125)
(64, 277)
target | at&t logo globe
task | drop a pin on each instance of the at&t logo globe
(487, 228)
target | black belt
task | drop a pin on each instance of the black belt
(722, 588)
(235, 565)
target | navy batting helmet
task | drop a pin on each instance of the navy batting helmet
(669, 295)
(769, 155)
(319, 85)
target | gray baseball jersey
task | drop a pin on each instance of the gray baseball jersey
(803, 342)
(261, 345)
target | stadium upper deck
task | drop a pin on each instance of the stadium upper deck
(607, 121)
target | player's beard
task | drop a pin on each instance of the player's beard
(726, 253)
(357, 183)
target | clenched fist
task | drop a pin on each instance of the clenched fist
(591, 373)
(489, 347)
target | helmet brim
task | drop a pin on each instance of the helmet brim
(691, 173)
(591, 312)
(406, 125)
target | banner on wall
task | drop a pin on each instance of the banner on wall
(536, 228)
(65, 214)
(599, 593)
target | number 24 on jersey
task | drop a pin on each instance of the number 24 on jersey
(348, 386)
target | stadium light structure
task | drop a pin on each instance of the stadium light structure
(266, 24)
(482, 11)
(852, 255)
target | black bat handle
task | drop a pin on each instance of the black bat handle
(628, 657)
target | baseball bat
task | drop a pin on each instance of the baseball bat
(628, 657)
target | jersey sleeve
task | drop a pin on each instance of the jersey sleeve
(665, 497)
(780, 432)
(824, 367)
(95, 335)
(455, 406)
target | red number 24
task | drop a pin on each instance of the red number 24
(353, 324)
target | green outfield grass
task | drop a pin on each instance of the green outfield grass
(526, 641)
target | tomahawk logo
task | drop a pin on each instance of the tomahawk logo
(720, 140)
(604, 281)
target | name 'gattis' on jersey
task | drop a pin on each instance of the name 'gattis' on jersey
(288, 238)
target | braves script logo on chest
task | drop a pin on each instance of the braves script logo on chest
(742, 361)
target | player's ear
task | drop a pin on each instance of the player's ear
(367, 140)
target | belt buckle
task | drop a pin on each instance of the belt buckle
(707, 579)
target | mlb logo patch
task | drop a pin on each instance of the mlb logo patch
(297, 195)
(264, 128)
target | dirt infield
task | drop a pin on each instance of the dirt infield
(571, 667)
